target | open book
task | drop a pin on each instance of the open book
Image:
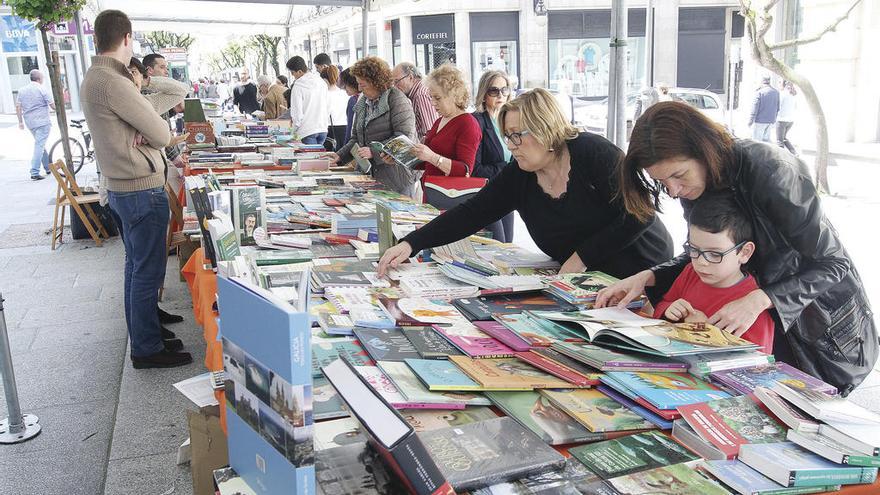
(399, 148)
(626, 330)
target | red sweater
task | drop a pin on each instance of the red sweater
(457, 141)
(709, 300)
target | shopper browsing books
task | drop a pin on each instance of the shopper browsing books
(719, 245)
(381, 113)
(808, 281)
(309, 112)
(452, 141)
(272, 93)
(562, 185)
(492, 155)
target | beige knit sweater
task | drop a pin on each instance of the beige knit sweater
(116, 112)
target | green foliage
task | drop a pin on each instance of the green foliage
(45, 12)
(167, 39)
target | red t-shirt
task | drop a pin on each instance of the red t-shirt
(457, 141)
(709, 300)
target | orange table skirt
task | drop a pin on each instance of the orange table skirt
(203, 289)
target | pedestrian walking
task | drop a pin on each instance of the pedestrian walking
(765, 108)
(785, 118)
(32, 108)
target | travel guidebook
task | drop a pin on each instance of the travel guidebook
(631, 454)
(596, 411)
(628, 331)
(539, 415)
(744, 380)
(729, 423)
(481, 454)
(663, 390)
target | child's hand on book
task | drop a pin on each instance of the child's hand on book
(696, 317)
(679, 310)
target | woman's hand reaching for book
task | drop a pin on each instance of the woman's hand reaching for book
(394, 256)
(625, 291)
(386, 159)
(739, 315)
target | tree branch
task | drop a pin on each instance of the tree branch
(817, 36)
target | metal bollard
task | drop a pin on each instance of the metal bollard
(15, 428)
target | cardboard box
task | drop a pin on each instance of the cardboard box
(208, 448)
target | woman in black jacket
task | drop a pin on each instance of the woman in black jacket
(824, 324)
(562, 183)
(492, 155)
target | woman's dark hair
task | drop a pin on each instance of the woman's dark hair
(375, 71)
(134, 62)
(282, 80)
(347, 79)
(670, 130)
(717, 212)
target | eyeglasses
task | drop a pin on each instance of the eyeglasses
(400, 79)
(516, 137)
(713, 257)
(493, 91)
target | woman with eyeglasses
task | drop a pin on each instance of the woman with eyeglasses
(492, 155)
(562, 184)
(824, 323)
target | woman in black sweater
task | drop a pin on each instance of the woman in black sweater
(493, 155)
(563, 186)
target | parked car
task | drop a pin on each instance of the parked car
(594, 118)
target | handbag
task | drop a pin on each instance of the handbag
(444, 192)
(330, 141)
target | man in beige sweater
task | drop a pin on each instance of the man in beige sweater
(129, 136)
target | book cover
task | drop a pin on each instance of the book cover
(506, 374)
(324, 353)
(483, 307)
(430, 344)
(441, 375)
(631, 454)
(481, 454)
(677, 479)
(559, 370)
(326, 401)
(744, 380)
(832, 450)
(596, 411)
(335, 324)
(354, 468)
(667, 390)
(400, 318)
(472, 342)
(408, 384)
(792, 465)
(573, 479)
(281, 257)
(825, 407)
(610, 360)
(531, 331)
(427, 311)
(384, 236)
(656, 419)
(746, 481)
(427, 420)
(864, 438)
(790, 415)
(543, 418)
(437, 286)
(685, 435)
(386, 344)
(730, 423)
(350, 279)
(582, 287)
(399, 148)
(338, 432)
(503, 334)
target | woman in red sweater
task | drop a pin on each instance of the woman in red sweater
(451, 145)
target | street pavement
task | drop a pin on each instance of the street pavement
(110, 429)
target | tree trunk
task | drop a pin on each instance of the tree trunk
(58, 96)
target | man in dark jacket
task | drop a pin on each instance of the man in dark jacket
(245, 95)
(764, 109)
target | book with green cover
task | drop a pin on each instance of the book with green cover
(324, 353)
(631, 454)
(281, 256)
(546, 420)
(596, 411)
(383, 224)
(729, 423)
(663, 390)
(677, 479)
(409, 385)
(790, 464)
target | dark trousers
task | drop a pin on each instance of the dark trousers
(782, 129)
(144, 219)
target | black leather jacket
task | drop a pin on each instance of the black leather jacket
(818, 298)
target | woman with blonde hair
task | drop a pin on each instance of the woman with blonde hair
(493, 92)
(563, 186)
(451, 143)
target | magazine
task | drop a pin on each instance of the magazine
(399, 148)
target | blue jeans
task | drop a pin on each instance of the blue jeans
(41, 135)
(761, 132)
(318, 138)
(144, 218)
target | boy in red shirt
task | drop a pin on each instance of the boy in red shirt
(719, 244)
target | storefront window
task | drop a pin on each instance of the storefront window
(19, 72)
(580, 66)
(429, 57)
(433, 38)
(495, 55)
(341, 58)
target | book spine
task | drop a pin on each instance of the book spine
(820, 477)
(411, 461)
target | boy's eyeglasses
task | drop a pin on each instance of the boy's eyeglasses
(714, 257)
(516, 137)
(493, 91)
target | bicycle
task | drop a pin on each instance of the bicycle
(78, 153)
